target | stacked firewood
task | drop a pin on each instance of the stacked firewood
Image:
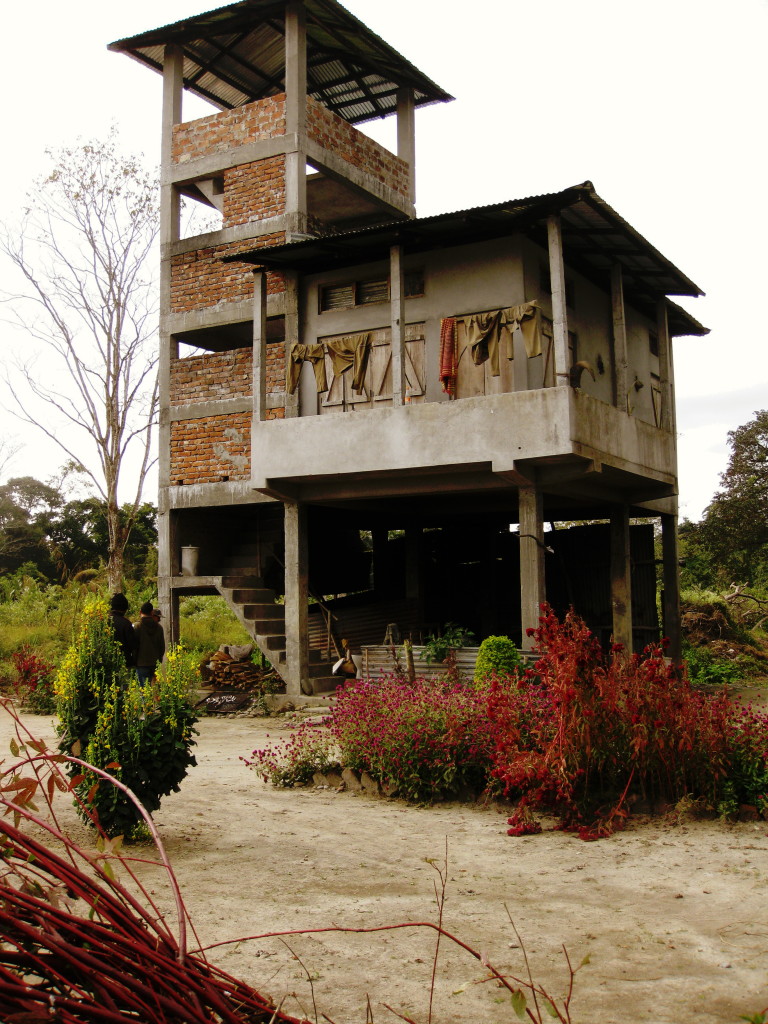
(231, 668)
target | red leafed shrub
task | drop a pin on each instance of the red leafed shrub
(33, 683)
(610, 726)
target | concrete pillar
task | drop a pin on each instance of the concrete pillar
(292, 333)
(173, 86)
(397, 317)
(670, 557)
(559, 313)
(296, 110)
(621, 578)
(296, 597)
(406, 135)
(168, 348)
(666, 369)
(621, 381)
(532, 582)
(259, 346)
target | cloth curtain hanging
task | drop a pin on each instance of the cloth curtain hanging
(299, 354)
(448, 361)
(351, 351)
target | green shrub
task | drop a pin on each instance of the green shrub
(140, 733)
(705, 669)
(497, 656)
(439, 645)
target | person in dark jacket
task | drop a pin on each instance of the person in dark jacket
(151, 644)
(124, 632)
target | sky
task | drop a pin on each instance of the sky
(662, 105)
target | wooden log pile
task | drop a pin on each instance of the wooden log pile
(223, 671)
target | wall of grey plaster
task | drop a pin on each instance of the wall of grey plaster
(457, 281)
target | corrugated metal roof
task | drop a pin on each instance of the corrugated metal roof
(594, 238)
(236, 54)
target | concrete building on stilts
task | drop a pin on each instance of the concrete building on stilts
(369, 417)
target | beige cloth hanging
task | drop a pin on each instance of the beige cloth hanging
(299, 354)
(526, 317)
(351, 351)
(483, 335)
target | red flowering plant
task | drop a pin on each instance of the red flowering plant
(614, 727)
(33, 684)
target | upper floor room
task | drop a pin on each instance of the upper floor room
(291, 80)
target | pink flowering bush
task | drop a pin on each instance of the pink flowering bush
(581, 735)
(424, 740)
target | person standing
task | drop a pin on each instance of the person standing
(124, 631)
(151, 644)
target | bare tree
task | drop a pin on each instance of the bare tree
(9, 449)
(88, 297)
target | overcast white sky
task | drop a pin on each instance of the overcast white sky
(661, 104)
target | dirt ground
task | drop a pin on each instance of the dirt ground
(673, 915)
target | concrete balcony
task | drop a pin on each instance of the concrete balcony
(558, 438)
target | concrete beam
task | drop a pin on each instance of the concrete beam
(406, 135)
(173, 88)
(292, 335)
(666, 369)
(220, 315)
(213, 165)
(559, 312)
(670, 556)
(532, 585)
(621, 579)
(259, 346)
(296, 105)
(296, 597)
(336, 167)
(238, 233)
(397, 323)
(621, 381)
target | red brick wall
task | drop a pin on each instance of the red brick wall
(211, 449)
(337, 135)
(275, 368)
(199, 279)
(217, 133)
(212, 377)
(254, 191)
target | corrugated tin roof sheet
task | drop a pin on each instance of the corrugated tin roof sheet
(594, 238)
(236, 54)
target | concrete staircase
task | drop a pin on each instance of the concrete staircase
(256, 607)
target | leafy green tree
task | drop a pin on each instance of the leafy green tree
(735, 525)
(27, 509)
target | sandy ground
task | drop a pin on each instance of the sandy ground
(673, 915)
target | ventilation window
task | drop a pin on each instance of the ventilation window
(372, 291)
(413, 282)
(337, 296)
(653, 343)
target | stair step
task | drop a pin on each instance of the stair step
(263, 627)
(274, 642)
(323, 668)
(252, 595)
(325, 684)
(264, 611)
(231, 581)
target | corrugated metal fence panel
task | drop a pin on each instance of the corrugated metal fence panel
(380, 660)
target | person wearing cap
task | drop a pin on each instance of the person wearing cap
(151, 643)
(124, 632)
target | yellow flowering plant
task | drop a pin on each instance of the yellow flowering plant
(140, 733)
